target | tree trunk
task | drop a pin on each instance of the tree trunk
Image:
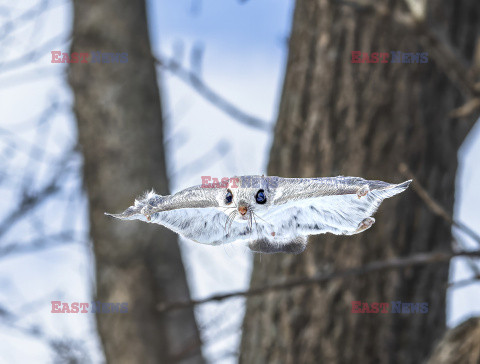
(119, 117)
(459, 345)
(341, 118)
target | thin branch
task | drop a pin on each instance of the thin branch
(8, 26)
(458, 244)
(448, 58)
(360, 5)
(31, 75)
(36, 121)
(464, 282)
(434, 206)
(446, 55)
(30, 14)
(28, 203)
(35, 54)
(40, 244)
(376, 266)
(210, 95)
(467, 109)
(32, 200)
(220, 150)
(20, 141)
(68, 350)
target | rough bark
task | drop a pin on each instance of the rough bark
(119, 117)
(459, 345)
(339, 118)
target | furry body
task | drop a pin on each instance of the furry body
(271, 214)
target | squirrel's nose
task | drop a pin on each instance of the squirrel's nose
(242, 210)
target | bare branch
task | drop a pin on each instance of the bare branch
(458, 244)
(376, 266)
(27, 204)
(211, 96)
(33, 13)
(220, 150)
(449, 59)
(365, 6)
(466, 109)
(445, 54)
(8, 26)
(32, 200)
(35, 54)
(40, 244)
(31, 75)
(17, 140)
(434, 206)
(464, 282)
(67, 350)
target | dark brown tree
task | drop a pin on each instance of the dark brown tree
(119, 116)
(459, 345)
(340, 118)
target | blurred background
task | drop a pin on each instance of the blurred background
(222, 89)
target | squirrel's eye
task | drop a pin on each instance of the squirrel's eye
(228, 197)
(260, 197)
